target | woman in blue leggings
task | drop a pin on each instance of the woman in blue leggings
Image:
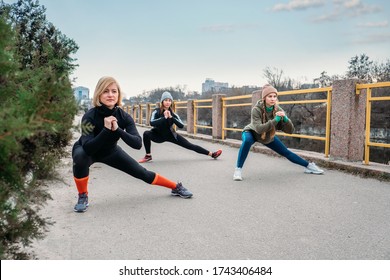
(266, 118)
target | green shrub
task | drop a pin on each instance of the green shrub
(36, 118)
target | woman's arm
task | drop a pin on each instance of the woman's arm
(257, 125)
(177, 120)
(130, 133)
(285, 124)
(156, 120)
(129, 137)
(88, 140)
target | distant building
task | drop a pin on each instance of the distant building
(211, 85)
(81, 93)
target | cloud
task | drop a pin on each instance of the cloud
(384, 23)
(328, 17)
(356, 7)
(373, 39)
(348, 8)
(348, 3)
(298, 5)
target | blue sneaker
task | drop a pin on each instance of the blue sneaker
(181, 191)
(82, 203)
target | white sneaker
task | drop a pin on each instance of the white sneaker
(237, 174)
(312, 168)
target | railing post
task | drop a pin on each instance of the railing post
(256, 96)
(348, 115)
(148, 111)
(217, 115)
(190, 116)
(134, 113)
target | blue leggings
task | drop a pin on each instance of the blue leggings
(276, 145)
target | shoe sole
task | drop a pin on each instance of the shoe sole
(237, 179)
(314, 172)
(81, 211)
(144, 161)
(182, 196)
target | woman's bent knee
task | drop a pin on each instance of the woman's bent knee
(79, 155)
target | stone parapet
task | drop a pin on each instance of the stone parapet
(348, 116)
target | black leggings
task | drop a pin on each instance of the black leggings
(181, 141)
(117, 158)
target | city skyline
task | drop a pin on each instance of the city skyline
(168, 43)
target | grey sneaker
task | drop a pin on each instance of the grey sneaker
(237, 174)
(312, 168)
(181, 191)
(82, 203)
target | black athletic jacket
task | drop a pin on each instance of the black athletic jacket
(96, 139)
(162, 125)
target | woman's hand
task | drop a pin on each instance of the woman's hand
(280, 114)
(167, 114)
(111, 123)
(114, 125)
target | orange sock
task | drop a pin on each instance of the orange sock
(162, 181)
(82, 184)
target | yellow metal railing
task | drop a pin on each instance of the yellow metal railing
(225, 105)
(126, 108)
(179, 105)
(369, 100)
(135, 115)
(196, 107)
(328, 90)
(142, 108)
(150, 108)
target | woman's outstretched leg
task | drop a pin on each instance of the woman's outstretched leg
(247, 142)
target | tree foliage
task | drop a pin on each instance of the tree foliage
(360, 68)
(154, 96)
(39, 41)
(381, 71)
(35, 120)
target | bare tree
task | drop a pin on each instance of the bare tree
(274, 77)
(324, 80)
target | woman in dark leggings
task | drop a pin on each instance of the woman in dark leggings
(162, 120)
(102, 127)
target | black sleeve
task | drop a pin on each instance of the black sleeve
(177, 120)
(88, 140)
(156, 120)
(130, 133)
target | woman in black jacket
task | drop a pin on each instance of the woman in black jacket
(102, 127)
(162, 120)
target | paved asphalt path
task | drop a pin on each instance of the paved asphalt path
(277, 212)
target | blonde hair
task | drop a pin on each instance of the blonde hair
(101, 85)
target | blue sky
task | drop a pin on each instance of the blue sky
(146, 44)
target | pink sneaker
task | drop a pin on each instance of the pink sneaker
(146, 158)
(216, 154)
